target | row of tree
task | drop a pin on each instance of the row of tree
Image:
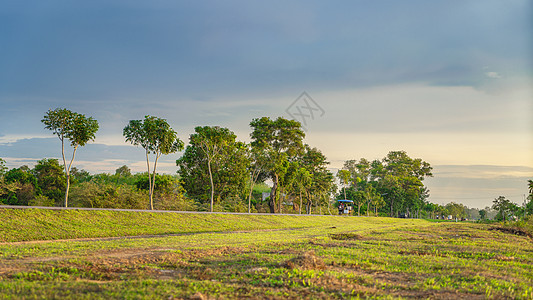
(217, 170)
(44, 186)
(214, 167)
(392, 185)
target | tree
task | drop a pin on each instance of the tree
(78, 176)
(20, 185)
(456, 209)
(256, 170)
(370, 194)
(71, 126)
(214, 166)
(482, 214)
(50, 179)
(211, 140)
(123, 171)
(3, 168)
(282, 141)
(504, 208)
(378, 202)
(400, 178)
(320, 181)
(344, 178)
(156, 137)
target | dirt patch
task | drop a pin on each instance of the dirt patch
(346, 236)
(307, 260)
(512, 230)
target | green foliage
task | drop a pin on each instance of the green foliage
(3, 168)
(395, 182)
(51, 179)
(71, 126)
(123, 171)
(214, 166)
(168, 193)
(41, 200)
(482, 214)
(156, 136)
(505, 208)
(77, 175)
(20, 186)
(280, 141)
(153, 134)
(344, 178)
(107, 195)
(456, 210)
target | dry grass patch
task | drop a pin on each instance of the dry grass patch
(306, 261)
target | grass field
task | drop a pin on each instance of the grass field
(127, 255)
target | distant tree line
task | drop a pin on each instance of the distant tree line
(391, 186)
(219, 173)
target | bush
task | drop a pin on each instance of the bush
(107, 195)
(41, 200)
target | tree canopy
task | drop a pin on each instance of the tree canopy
(281, 141)
(214, 165)
(71, 126)
(156, 137)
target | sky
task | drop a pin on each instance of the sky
(448, 81)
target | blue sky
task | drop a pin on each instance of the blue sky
(448, 81)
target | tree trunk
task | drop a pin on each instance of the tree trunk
(66, 191)
(149, 181)
(344, 192)
(281, 198)
(211, 180)
(250, 195)
(309, 204)
(67, 170)
(273, 192)
(153, 182)
(301, 203)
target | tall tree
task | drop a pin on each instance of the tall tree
(71, 126)
(282, 141)
(256, 168)
(344, 178)
(156, 137)
(321, 180)
(504, 207)
(214, 165)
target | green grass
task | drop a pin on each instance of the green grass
(306, 257)
(39, 224)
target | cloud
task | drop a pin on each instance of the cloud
(478, 185)
(494, 75)
(95, 158)
(131, 50)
